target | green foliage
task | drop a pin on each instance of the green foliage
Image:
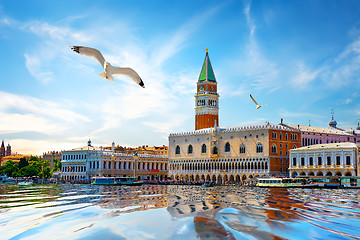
(23, 163)
(27, 171)
(10, 168)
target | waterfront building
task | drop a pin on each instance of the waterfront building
(146, 166)
(331, 159)
(231, 154)
(227, 154)
(51, 156)
(89, 161)
(74, 163)
(317, 135)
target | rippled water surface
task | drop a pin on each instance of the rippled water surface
(176, 212)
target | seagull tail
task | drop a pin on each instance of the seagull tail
(102, 75)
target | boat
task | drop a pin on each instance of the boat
(5, 179)
(128, 181)
(103, 181)
(25, 183)
(282, 182)
(324, 181)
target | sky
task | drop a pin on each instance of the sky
(300, 57)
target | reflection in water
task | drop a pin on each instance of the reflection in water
(177, 212)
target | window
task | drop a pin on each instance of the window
(294, 146)
(286, 136)
(280, 136)
(328, 159)
(227, 147)
(203, 148)
(337, 160)
(274, 135)
(259, 148)
(215, 150)
(273, 149)
(281, 161)
(242, 148)
(280, 145)
(302, 161)
(311, 161)
(177, 150)
(190, 149)
(319, 161)
(348, 160)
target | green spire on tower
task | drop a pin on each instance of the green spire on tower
(207, 73)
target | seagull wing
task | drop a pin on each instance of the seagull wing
(90, 52)
(254, 100)
(128, 72)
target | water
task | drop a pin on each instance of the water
(176, 212)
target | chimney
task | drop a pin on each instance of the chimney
(281, 121)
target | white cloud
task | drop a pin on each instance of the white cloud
(34, 65)
(345, 68)
(303, 76)
(20, 113)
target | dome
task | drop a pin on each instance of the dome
(332, 123)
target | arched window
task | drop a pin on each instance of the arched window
(227, 147)
(190, 149)
(177, 150)
(203, 148)
(273, 149)
(215, 150)
(242, 148)
(259, 148)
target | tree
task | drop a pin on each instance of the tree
(10, 168)
(28, 171)
(23, 163)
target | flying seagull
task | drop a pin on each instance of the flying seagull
(109, 70)
(257, 105)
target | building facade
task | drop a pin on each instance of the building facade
(331, 159)
(51, 156)
(317, 135)
(231, 154)
(80, 164)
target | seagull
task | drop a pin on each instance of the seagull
(257, 105)
(109, 70)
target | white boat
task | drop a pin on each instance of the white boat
(281, 182)
(25, 183)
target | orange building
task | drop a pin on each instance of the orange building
(280, 142)
(206, 97)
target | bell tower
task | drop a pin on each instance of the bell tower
(206, 97)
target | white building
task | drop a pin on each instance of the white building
(82, 163)
(74, 163)
(333, 159)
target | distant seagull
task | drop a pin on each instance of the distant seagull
(109, 70)
(257, 105)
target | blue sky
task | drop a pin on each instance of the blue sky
(301, 57)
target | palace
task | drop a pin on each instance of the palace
(227, 154)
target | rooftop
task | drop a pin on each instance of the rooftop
(330, 130)
(326, 146)
(246, 127)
